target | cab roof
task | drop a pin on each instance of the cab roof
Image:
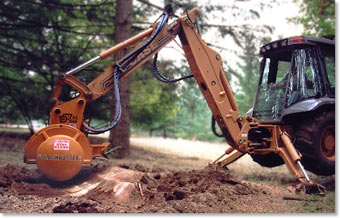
(282, 49)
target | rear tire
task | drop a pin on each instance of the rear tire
(315, 139)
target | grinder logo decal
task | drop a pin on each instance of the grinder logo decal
(63, 145)
(68, 157)
(68, 117)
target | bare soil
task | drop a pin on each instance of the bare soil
(147, 181)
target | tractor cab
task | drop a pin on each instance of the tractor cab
(297, 74)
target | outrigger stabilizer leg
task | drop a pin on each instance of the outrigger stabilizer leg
(291, 158)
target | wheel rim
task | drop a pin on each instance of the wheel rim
(328, 143)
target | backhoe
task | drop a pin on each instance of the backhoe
(60, 149)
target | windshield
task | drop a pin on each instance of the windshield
(271, 92)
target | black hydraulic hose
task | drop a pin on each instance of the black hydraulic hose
(159, 76)
(213, 127)
(117, 74)
(135, 53)
(118, 109)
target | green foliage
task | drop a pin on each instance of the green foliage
(193, 116)
(247, 79)
(39, 39)
(180, 114)
(317, 17)
(152, 102)
(193, 120)
(8, 110)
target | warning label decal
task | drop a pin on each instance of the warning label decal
(61, 145)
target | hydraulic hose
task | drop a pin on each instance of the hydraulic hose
(118, 109)
(159, 76)
(135, 53)
(117, 75)
(213, 127)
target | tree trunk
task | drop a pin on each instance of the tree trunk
(120, 135)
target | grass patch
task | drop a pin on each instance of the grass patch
(317, 204)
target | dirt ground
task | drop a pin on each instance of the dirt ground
(148, 181)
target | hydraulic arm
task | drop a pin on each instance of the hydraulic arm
(60, 149)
